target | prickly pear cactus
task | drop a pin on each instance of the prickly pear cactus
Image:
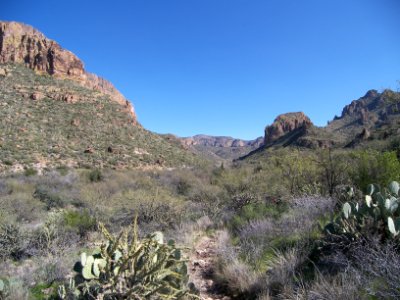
(126, 267)
(380, 208)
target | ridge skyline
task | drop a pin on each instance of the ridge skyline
(175, 96)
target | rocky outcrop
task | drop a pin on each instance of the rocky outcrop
(372, 109)
(20, 43)
(220, 141)
(361, 106)
(285, 124)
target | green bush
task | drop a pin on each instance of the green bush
(95, 175)
(30, 172)
(255, 211)
(376, 167)
(183, 186)
(8, 162)
(81, 222)
(41, 291)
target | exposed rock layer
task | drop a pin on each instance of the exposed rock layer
(285, 124)
(20, 43)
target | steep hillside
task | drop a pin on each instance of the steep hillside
(53, 113)
(23, 44)
(220, 148)
(373, 120)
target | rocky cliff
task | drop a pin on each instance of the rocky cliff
(20, 43)
(285, 124)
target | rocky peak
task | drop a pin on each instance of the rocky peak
(284, 124)
(360, 107)
(20, 43)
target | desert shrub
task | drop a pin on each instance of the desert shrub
(370, 271)
(50, 198)
(49, 274)
(299, 171)
(95, 175)
(272, 247)
(128, 268)
(375, 167)
(209, 200)
(235, 276)
(254, 211)
(341, 286)
(20, 207)
(53, 238)
(379, 266)
(240, 200)
(246, 282)
(333, 168)
(11, 241)
(8, 162)
(42, 291)
(4, 188)
(80, 221)
(157, 209)
(183, 187)
(13, 288)
(55, 190)
(285, 267)
(63, 170)
(30, 172)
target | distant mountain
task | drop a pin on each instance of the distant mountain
(221, 147)
(55, 114)
(220, 141)
(372, 121)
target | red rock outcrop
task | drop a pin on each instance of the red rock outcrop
(284, 124)
(20, 43)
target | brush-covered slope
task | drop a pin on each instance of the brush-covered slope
(371, 121)
(47, 122)
(20, 43)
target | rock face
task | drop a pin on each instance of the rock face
(373, 109)
(285, 124)
(220, 141)
(20, 43)
(360, 107)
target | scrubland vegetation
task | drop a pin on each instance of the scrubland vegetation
(292, 225)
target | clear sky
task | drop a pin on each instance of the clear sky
(227, 67)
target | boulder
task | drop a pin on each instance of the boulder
(37, 96)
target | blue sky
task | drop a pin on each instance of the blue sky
(227, 67)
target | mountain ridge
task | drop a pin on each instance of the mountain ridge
(21, 43)
(54, 114)
(373, 120)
